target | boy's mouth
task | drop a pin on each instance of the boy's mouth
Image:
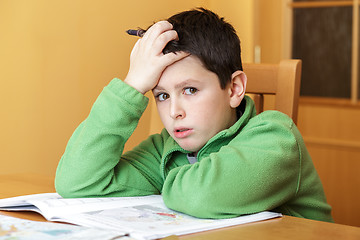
(182, 132)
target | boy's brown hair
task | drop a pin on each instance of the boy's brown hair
(203, 34)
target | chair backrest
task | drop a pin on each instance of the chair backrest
(281, 80)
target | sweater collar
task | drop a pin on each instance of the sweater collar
(246, 112)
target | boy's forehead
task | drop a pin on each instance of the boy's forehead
(188, 71)
(186, 66)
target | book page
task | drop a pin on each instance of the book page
(144, 217)
(51, 208)
(157, 221)
(23, 200)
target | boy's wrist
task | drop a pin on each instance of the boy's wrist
(135, 86)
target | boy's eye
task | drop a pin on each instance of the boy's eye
(162, 96)
(190, 91)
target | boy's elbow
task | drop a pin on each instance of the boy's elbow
(66, 185)
(61, 189)
(64, 189)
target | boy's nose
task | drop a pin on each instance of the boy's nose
(176, 110)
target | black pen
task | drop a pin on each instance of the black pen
(133, 32)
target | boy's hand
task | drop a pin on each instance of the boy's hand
(147, 62)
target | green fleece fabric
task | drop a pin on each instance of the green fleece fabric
(260, 163)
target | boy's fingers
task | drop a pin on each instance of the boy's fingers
(164, 39)
(155, 30)
(171, 58)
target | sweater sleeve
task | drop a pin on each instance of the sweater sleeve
(258, 170)
(92, 164)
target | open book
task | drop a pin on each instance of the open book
(139, 217)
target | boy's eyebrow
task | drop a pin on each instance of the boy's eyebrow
(179, 85)
(158, 88)
(185, 83)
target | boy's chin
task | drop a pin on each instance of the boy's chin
(190, 147)
(189, 144)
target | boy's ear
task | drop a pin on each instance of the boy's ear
(237, 88)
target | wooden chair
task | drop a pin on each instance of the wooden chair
(281, 80)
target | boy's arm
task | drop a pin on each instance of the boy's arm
(258, 170)
(91, 164)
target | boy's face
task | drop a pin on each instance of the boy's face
(191, 104)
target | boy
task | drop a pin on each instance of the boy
(215, 158)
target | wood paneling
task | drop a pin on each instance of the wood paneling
(331, 130)
(338, 168)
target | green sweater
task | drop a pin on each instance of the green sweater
(260, 163)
